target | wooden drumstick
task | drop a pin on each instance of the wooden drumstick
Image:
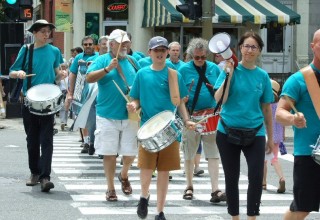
(28, 75)
(124, 96)
(205, 118)
(122, 35)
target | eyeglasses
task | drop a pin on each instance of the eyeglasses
(87, 44)
(200, 57)
(162, 50)
(247, 47)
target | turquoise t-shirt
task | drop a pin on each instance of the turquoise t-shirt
(189, 74)
(81, 56)
(45, 60)
(295, 87)
(147, 61)
(176, 65)
(110, 103)
(151, 87)
(248, 89)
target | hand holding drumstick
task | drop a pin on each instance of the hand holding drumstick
(298, 120)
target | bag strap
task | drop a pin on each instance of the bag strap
(132, 63)
(174, 86)
(312, 86)
(30, 65)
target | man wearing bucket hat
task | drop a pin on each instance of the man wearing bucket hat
(115, 133)
(151, 92)
(44, 62)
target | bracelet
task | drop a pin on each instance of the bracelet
(106, 70)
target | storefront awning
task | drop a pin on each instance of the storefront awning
(263, 12)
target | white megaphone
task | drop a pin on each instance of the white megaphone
(220, 43)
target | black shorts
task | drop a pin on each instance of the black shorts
(306, 187)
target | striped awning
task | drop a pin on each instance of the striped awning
(263, 12)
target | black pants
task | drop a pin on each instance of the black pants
(230, 158)
(39, 130)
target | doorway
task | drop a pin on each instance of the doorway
(109, 26)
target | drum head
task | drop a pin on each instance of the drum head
(155, 124)
(43, 92)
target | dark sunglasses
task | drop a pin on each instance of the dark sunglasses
(200, 57)
(87, 44)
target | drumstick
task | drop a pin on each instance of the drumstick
(124, 96)
(291, 104)
(205, 118)
(28, 75)
(122, 35)
(191, 85)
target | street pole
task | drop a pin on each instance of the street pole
(207, 22)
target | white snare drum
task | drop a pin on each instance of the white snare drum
(316, 151)
(44, 99)
(160, 131)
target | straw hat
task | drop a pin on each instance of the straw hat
(275, 87)
(40, 23)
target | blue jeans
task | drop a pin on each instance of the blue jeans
(39, 130)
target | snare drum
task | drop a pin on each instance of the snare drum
(208, 126)
(44, 99)
(160, 131)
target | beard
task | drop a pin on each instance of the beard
(123, 53)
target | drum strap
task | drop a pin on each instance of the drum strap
(133, 64)
(30, 65)
(310, 76)
(173, 86)
(123, 78)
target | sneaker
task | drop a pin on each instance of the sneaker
(198, 172)
(100, 156)
(85, 149)
(142, 210)
(46, 185)
(33, 180)
(91, 149)
(160, 216)
(55, 131)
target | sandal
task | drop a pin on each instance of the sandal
(216, 198)
(125, 185)
(188, 195)
(264, 186)
(282, 186)
(111, 196)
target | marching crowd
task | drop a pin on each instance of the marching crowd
(224, 109)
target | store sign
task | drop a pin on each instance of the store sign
(117, 7)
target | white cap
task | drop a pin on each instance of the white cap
(117, 36)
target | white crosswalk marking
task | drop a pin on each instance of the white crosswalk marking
(83, 177)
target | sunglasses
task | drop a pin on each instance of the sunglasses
(200, 57)
(87, 44)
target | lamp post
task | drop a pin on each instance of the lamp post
(207, 12)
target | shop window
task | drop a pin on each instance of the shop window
(92, 25)
(275, 39)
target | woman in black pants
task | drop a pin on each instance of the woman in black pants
(245, 105)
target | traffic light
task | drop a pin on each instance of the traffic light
(191, 10)
(18, 10)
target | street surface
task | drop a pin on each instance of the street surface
(80, 186)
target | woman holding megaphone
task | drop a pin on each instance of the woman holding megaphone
(245, 94)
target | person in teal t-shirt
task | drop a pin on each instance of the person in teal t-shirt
(151, 93)
(306, 127)
(246, 104)
(39, 128)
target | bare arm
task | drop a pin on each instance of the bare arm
(218, 93)
(185, 116)
(94, 76)
(267, 113)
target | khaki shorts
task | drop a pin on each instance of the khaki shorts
(165, 160)
(190, 144)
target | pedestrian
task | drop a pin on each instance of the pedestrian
(115, 133)
(151, 93)
(78, 89)
(200, 75)
(298, 95)
(39, 128)
(64, 85)
(278, 137)
(245, 109)
(174, 54)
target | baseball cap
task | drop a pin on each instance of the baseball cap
(40, 23)
(157, 42)
(117, 36)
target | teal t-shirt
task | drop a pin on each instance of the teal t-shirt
(189, 74)
(45, 60)
(147, 61)
(249, 88)
(151, 87)
(81, 56)
(110, 103)
(176, 65)
(295, 87)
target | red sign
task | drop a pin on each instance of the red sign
(117, 7)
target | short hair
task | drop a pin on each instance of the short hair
(173, 43)
(197, 43)
(253, 35)
(87, 38)
(78, 49)
(103, 38)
